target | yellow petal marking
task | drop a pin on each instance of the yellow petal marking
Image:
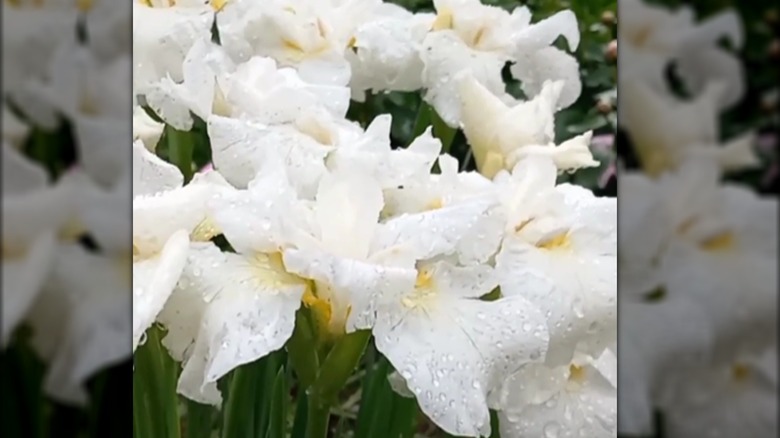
(217, 5)
(719, 242)
(576, 373)
(559, 241)
(444, 20)
(740, 372)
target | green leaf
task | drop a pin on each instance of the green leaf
(375, 378)
(590, 124)
(264, 390)
(157, 374)
(241, 401)
(404, 418)
(200, 420)
(180, 148)
(494, 429)
(277, 424)
(300, 420)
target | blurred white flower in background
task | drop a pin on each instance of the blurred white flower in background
(320, 214)
(698, 256)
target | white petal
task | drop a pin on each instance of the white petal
(452, 358)
(591, 411)
(549, 63)
(446, 57)
(347, 209)
(240, 149)
(151, 174)
(390, 167)
(578, 293)
(252, 219)
(100, 146)
(23, 279)
(471, 230)
(21, 174)
(545, 32)
(161, 39)
(156, 218)
(351, 287)
(386, 56)
(146, 129)
(250, 312)
(80, 321)
(154, 280)
(698, 65)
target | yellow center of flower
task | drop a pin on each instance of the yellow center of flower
(269, 270)
(656, 162)
(72, 230)
(576, 373)
(352, 42)
(720, 242)
(22, 3)
(329, 319)
(205, 231)
(424, 290)
(84, 5)
(124, 263)
(298, 50)
(444, 20)
(88, 106)
(740, 372)
(723, 241)
(434, 204)
(489, 162)
(217, 5)
(140, 254)
(320, 309)
(13, 252)
(316, 129)
(560, 241)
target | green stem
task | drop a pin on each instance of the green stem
(302, 350)
(333, 374)
(339, 365)
(317, 418)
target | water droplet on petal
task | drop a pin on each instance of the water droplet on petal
(551, 429)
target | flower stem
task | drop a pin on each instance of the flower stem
(341, 361)
(317, 418)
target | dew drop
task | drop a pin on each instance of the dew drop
(551, 430)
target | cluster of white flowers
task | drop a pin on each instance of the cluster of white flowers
(319, 212)
(698, 256)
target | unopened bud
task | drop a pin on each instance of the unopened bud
(608, 18)
(774, 49)
(604, 106)
(610, 53)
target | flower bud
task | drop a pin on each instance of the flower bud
(608, 18)
(610, 53)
